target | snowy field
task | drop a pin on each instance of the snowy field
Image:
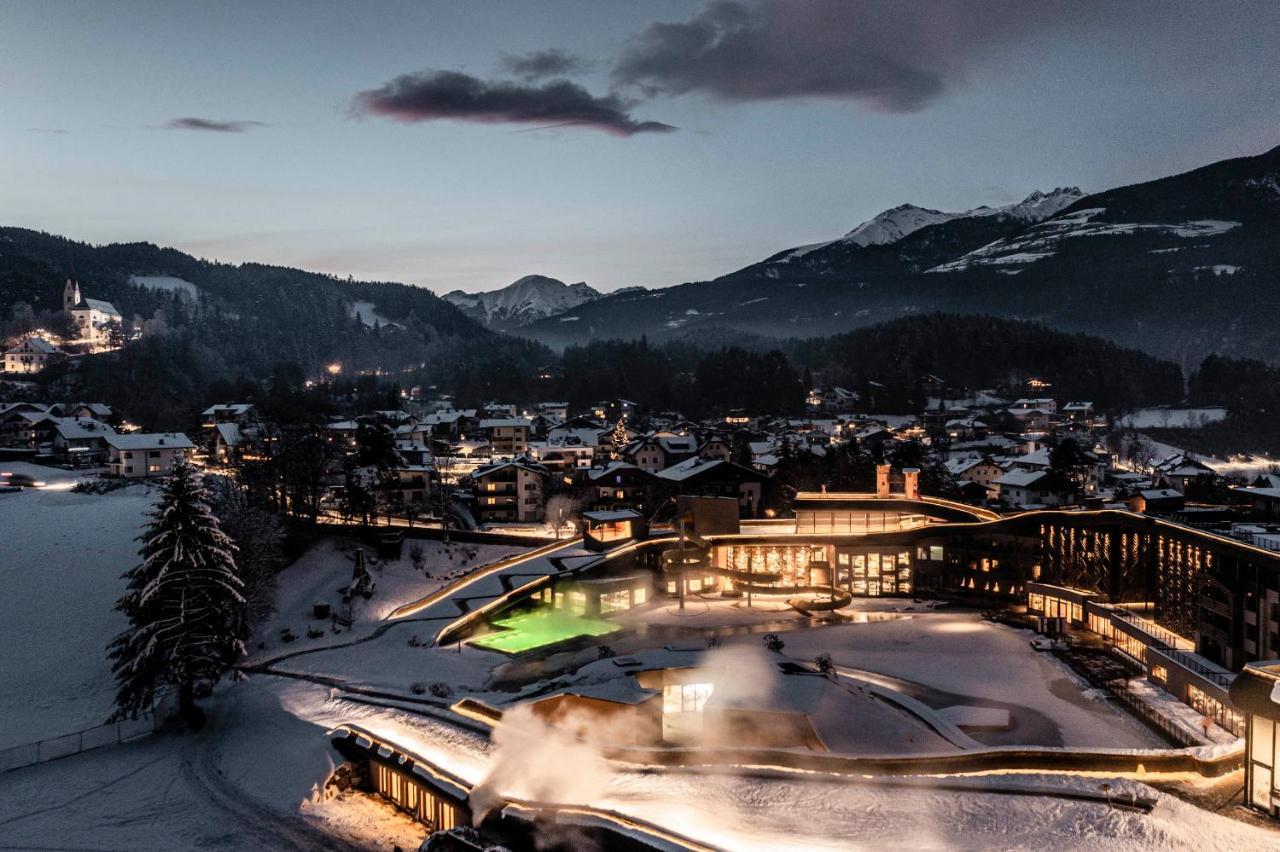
(61, 560)
(167, 283)
(1171, 418)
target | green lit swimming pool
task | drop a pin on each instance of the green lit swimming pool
(540, 627)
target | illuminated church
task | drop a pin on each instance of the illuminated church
(92, 316)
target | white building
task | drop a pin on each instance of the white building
(31, 356)
(93, 316)
(144, 454)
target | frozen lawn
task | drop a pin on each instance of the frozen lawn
(61, 560)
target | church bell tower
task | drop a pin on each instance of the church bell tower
(70, 294)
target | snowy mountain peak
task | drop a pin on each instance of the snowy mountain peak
(898, 222)
(523, 301)
(1042, 205)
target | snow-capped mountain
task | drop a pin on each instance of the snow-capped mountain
(526, 300)
(892, 225)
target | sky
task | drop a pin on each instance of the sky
(463, 145)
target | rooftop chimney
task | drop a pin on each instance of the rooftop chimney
(911, 483)
(882, 480)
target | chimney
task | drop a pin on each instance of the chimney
(911, 483)
(882, 480)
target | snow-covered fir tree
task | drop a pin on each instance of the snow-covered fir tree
(185, 604)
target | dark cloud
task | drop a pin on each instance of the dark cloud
(213, 126)
(886, 54)
(541, 64)
(434, 95)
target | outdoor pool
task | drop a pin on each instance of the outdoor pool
(537, 628)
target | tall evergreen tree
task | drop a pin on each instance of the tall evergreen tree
(618, 440)
(186, 610)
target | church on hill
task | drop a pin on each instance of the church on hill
(93, 317)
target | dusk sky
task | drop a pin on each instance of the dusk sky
(462, 145)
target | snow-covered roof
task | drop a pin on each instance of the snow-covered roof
(100, 306)
(36, 344)
(605, 517)
(150, 441)
(236, 408)
(229, 434)
(1160, 494)
(504, 422)
(597, 473)
(690, 467)
(1021, 478)
(72, 428)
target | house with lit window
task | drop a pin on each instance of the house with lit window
(620, 484)
(140, 455)
(509, 491)
(80, 441)
(717, 478)
(31, 356)
(508, 436)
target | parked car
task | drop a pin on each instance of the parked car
(20, 480)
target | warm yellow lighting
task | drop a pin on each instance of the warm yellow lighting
(334, 369)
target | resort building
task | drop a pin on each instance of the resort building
(1183, 607)
(1257, 693)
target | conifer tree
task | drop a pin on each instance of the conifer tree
(619, 438)
(185, 604)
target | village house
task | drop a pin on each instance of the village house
(31, 356)
(1180, 470)
(145, 454)
(1022, 488)
(508, 436)
(242, 413)
(620, 484)
(984, 471)
(80, 441)
(509, 491)
(716, 478)
(1157, 501)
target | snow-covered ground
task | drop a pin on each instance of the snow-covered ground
(61, 560)
(168, 283)
(1172, 418)
(320, 573)
(368, 315)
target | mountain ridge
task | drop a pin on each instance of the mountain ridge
(1164, 265)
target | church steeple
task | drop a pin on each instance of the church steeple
(70, 294)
